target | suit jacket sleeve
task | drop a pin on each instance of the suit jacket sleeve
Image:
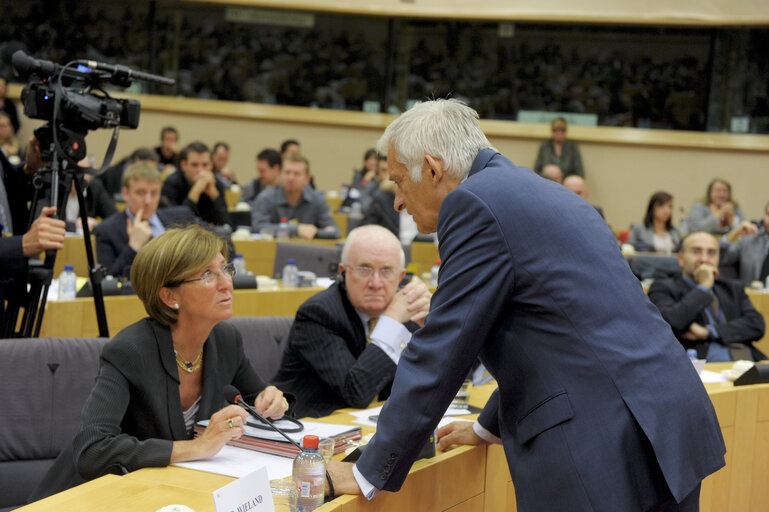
(101, 444)
(476, 267)
(678, 311)
(748, 325)
(320, 344)
(112, 251)
(489, 417)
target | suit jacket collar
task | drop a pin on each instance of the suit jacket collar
(481, 160)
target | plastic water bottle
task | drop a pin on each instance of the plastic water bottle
(67, 283)
(240, 264)
(290, 275)
(283, 231)
(309, 474)
(434, 273)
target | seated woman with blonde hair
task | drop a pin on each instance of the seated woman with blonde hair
(162, 374)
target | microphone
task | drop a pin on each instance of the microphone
(124, 72)
(233, 396)
(24, 65)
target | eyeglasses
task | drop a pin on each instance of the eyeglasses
(211, 276)
(365, 272)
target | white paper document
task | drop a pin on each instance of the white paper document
(239, 462)
(365, 416)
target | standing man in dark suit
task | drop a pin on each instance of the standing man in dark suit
(712, 315)
(195, 186)
(120, 236)
(329, 362)
(598, 408)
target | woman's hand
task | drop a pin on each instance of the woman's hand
(271, 403)
(223, 426)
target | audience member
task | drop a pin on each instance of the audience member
(112, 177)
(577, 185)
(362, 178)
(168, 151)
(7, 105)
(120, 237)
(346, 341)
(709, 314)
(196, 187)
(717, 212)
(560, 151)
(9, 144)
(289, 147)
(305, 209)
(380, 197)
(98, 203)
(151, 390)
(750, 254)
(656, 233)
(268, 163)
(552, 172)
(17, 243)
(220, 155)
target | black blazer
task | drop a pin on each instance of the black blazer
(327, 364)
(682, 304)
(112, 249)
(134, 412)
(174, 193)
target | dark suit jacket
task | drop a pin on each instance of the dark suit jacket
(112, 178)
(13, 264)
(134, 412)
(175, 190)
(532, 279)
(380, 211)
(327, 364)
(112, 249)
(682, 304)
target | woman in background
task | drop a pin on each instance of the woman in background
(656, 233)
(559, 151)
(717, 212)
(161, 375)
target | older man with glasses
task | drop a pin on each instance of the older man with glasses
(346, 341)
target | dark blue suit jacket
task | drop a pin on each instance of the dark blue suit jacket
(598, 406)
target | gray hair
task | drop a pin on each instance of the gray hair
(445, 129)
(371, 230)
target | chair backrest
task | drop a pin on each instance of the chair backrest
(264, 338)
(45, 383)
(323, 260)
(647, 266)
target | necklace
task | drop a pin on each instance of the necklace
(189, 366)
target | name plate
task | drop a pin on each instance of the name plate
(250, 493)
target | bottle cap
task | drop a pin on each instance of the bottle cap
(291, 261)
(310, 442)
(284, 219)
(69, 267)
(438, 261)
(239, 255)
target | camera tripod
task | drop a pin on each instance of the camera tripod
(57, 181)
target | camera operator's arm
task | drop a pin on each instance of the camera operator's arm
(45, 233)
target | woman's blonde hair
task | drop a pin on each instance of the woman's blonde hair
(168, 260)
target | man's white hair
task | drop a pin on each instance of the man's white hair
(445, 129)
(372, 230)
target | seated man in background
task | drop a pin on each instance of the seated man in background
(268, 163)
(747, 250)
(712, 315)
(577, 185)
(168, 151)
(112, 177)
(306, 210)
(195, 186)
(552, 172)
(346, 341)
(220, 156)
(120, 236)
(378, 199)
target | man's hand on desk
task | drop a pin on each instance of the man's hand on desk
(456, 433)
(342, 477)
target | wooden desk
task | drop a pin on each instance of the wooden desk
(466, 479)
(77, 318)
(423, 256)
